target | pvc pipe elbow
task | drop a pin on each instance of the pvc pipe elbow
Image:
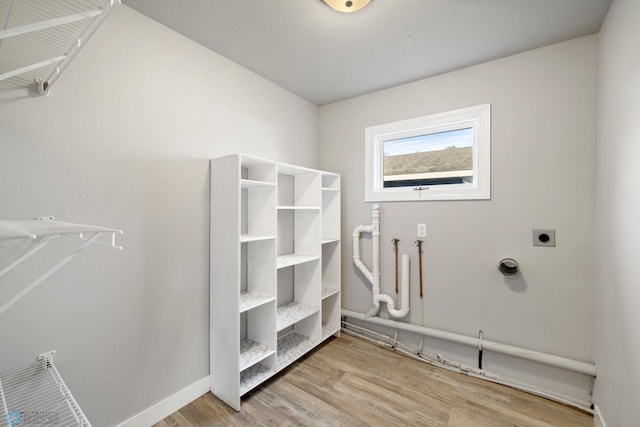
(398, 313)
(372, 311)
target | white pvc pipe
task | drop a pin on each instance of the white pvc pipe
(373, 276)
(356, 250)
(437, 360)
(404, 310)
(523, 353)
(405, 282)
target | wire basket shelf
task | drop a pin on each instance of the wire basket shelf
(35, 394)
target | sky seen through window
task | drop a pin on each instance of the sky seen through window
(429, 142)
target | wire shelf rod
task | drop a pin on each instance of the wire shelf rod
(32, 251)
(48, 273)
(4, 401)
(29, 28)
(110, 244)
(31, 67)
(6, 21)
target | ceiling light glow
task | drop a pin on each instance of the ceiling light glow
(347, 5)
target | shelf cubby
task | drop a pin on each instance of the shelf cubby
(252, 377)
(257, 203)
(252, 352)
(289, 260)
(254, 169)
(330, 208)
(330, 314)
(328, 291)
(250, 300)
(329, 329)
(291, 347)
(293, 312)
(331, 267)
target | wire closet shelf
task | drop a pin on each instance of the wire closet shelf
(39, 39)
(35, 394)
(44, 231)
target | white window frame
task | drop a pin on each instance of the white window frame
(478, 118)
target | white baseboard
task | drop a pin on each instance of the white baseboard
(168, 406)
(598, 421)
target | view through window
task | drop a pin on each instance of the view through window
(431, 159)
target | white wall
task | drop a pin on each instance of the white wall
(617, 343)
(123, 141)
(543, 145)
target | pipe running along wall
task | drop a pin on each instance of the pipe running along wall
(522, 353)
(370, 316)
(374, 276)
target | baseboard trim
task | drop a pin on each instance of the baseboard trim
(598, 420)
(168, 406)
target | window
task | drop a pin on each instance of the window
(443, 156)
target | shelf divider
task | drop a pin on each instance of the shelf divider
(250, 300)
(289, 260)
(291, 313)
(328, 291)
(252, 352)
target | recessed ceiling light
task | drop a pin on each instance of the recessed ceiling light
(347, 5)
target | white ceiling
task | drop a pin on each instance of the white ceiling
(326, 56)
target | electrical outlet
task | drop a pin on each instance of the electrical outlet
(422, 230)
(544, 237)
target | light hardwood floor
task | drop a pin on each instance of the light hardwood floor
(350, 382)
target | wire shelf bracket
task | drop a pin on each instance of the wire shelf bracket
(48, 230)
(92, 20)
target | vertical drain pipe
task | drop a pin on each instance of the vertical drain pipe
(374, 276)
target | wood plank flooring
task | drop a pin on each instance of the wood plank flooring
(350, 382)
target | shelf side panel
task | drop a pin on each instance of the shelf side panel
(225, 280)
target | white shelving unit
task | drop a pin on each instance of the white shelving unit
(35, 393)
(275, 269)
